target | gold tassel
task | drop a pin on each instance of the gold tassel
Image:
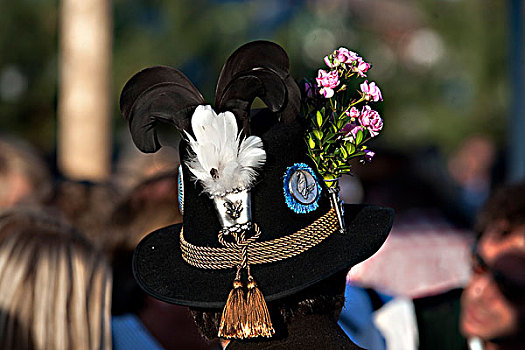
(233, 320)
(258, 322)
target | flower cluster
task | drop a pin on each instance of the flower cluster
(342, 121)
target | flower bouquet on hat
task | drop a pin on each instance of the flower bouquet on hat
(341, 119)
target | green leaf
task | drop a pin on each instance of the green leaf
(311, 142)
(350, 148)
(318, 134)
(359, 137)
(345, 167)
(344, 153)
(319, 119)
(329, 177)
(329, 136)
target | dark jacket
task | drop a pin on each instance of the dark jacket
(438, 321)
(318, 332)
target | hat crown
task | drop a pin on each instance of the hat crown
(284, 145)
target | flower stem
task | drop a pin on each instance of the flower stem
(351, 105)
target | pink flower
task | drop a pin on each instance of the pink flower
(371, 120)
(364, 118)
(369, 155)
(343, 55)
(361, 67)
(329, 80)
(353, 113)
(350, 131)
(376, 124)
(326, 92)
(328, 60)
(371, 91)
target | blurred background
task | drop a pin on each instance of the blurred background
(445, 67)
(451, 73)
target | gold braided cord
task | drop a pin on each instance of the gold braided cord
(261, 252)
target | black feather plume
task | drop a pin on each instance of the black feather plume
(153, 95)
(257, 69)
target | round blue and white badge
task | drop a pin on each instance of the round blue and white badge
(301, 188)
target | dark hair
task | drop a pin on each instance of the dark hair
(507, 204)
(323, 298)
(85, 205)
(150, 205)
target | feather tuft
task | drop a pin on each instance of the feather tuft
(220, 159)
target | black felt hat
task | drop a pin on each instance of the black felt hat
(296, 244)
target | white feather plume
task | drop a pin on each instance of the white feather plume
(221, 160)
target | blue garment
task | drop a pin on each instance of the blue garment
(129, 333)
(357, 319)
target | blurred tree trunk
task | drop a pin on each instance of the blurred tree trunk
(84, 145)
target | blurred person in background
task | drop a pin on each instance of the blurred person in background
(139, 320)
(54, 286)
(493, 303)
(489, 312)
(132, 167)
(470, 166)
(418, 186)
(85, 205)
(24, 176)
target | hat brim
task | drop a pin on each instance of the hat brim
(160, 270)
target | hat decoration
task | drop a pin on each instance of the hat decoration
(301, 189)
(223, 160)
(226, 165)
(180, 190)
(227, 173)
(341, 121)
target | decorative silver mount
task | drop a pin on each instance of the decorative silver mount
(337, 204)
(237, 229)
(234, 211)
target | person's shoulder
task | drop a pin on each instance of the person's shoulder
(129, 333)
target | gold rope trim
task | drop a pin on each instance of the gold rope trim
(261, 252)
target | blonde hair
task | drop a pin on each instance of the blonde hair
(55, 288)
